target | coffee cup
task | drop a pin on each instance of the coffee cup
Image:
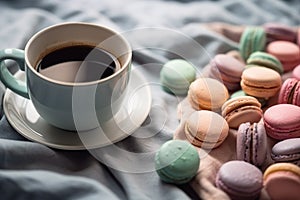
(76, 74)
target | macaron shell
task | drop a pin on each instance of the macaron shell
(207, 93)
(177, 161)
(230, 82)
(260, 82)
(253, 39)
(234, 103)
(228, 67)
(284, 50)
(290, 65)
(282, 185)
(236, 54)
(281, 167)
(282, 121)
(287, 151)
(176, 76)
(296, 95)
(251, 143)
(241, 177)
(244, 114)
(286, 90)
(276, 31)
(243, 144)
(296, 72)
(201, 126)
(259, 144)
(265, 60)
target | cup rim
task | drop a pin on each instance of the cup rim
(124, 67)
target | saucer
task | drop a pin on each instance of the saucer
(23, 117)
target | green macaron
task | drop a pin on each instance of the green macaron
(253, 39)
(263, 59)
(177, 162)
(176, 76)
(241, 93)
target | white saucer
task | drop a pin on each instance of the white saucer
(25, 120)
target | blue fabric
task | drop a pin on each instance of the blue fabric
(158, 31)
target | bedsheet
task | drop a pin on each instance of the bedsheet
(158, 30)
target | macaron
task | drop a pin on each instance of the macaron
(282, 181)
(227, 69)
(177, 162)
(236, 54)
(207, 94)
(264, 59)
(287, 53)
(241, 109)
(240, 180)
(277, 31)
(282, 121)
(296, 72)
(290, 92)
(261, 82)
(287, 151)
(252, 39)
(206, 129)
(176, 76)
(263, 102)
(251, 143)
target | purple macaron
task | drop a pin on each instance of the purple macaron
(240, 180)
(276, 31)
(227, 69)
(251, 143)
(287, 151)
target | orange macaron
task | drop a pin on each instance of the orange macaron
(206, 129)
(207, 94)
(261, 82)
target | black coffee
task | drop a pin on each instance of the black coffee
(80, 63)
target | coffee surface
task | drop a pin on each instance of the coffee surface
(79, 63)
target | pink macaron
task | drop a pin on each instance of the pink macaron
(227, 69)
(296, 72)
(290, 92)
(282, 121)
(287, 53)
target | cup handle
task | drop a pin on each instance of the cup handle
(6, 77)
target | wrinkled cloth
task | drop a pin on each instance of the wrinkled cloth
(158, 31)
